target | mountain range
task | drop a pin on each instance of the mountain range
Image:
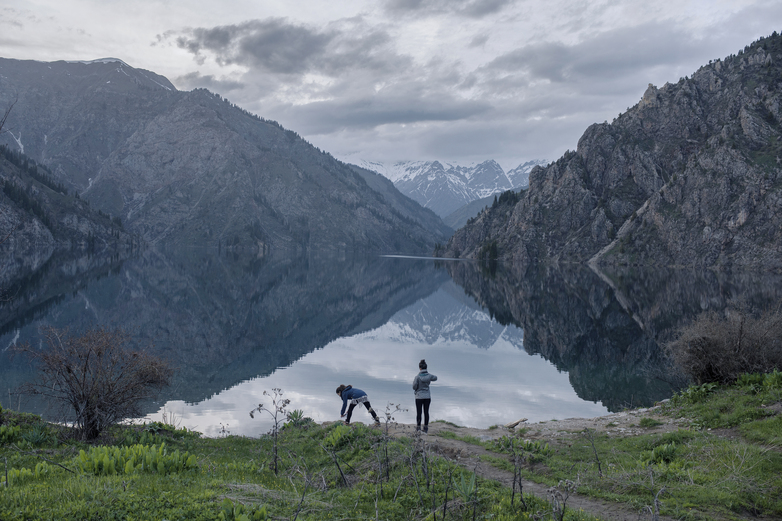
(689, 176)
(193, 169)
(447, 187)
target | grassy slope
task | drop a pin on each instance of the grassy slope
(727, 465)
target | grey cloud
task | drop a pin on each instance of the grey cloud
(196, 79)
(277, 46)
(11, 16)
(468, 8)
(479, 40)
(613, 53)
(370, 112)
(274, 45)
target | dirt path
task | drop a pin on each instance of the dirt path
(553, 433)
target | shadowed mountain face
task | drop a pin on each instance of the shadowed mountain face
(219, 319)
(39, 217)
(191, 168)
(690, 176)
(608, 333)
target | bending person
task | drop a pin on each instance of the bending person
(348, 393)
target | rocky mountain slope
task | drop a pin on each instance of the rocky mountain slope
(190, 168)
(39, 217)
(691, 175)
(447, 187)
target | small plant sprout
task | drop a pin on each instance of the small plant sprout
(279, 414)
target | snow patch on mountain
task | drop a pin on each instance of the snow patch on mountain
(444, 187)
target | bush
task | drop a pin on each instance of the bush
(717, 349)
(96, 377)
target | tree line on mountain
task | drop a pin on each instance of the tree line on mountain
(38, 172)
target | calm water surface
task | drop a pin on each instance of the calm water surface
(547, 344)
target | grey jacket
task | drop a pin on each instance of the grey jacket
(421, 384)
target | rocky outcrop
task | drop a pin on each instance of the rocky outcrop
(190, 168)
(690, 176)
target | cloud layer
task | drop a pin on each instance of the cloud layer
(463, 80)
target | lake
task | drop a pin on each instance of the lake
(550, 343)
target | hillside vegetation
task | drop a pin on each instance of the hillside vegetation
(712, 452)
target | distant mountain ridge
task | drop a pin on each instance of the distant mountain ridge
(445, 187)
(190, 168)
(690, 176)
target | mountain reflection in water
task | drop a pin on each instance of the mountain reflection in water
(554, 343)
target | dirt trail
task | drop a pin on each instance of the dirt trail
(553, 433)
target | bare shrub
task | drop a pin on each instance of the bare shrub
(718, 348)
(96, 376)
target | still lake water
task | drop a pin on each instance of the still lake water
(548, 344)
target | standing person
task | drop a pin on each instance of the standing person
(422, 395)
(348, 393)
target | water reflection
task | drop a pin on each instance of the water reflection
(484, 375)
(552, 342)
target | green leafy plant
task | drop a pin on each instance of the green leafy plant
(38, 435)
(231, 512)
(9, 433)
(661, 454)
(694, 393)
(103, 461)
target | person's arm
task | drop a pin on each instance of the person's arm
(433, 377)
(344, 404)
(416, 383)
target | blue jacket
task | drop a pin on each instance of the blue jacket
(350, 393)
(421, 384)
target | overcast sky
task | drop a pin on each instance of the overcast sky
(454, 80)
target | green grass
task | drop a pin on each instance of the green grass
(54, 476)
(446, 422)
(764, 432)
(649, 423)
(472, 440)
(696, 472)
(704, 474)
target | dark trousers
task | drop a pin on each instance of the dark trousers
(422, 403)
(369, 408)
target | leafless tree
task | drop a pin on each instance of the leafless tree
(96, 376)
(278, 412)
(718, 348)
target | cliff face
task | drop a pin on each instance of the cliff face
(39, 217)
(191, 168)
(691, 175)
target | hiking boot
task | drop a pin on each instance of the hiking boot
(426, 429)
